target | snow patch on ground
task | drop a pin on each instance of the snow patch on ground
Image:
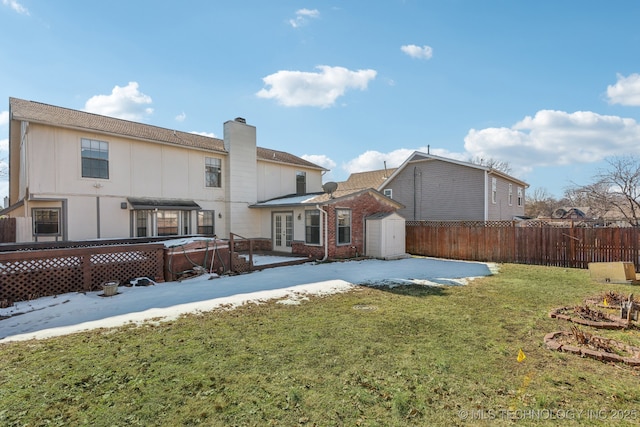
(73, 312)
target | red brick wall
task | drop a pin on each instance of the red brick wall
(259, 245)
(361, 207)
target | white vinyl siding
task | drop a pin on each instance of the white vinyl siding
(510, 194)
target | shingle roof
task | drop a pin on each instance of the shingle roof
(364, 180)
(270, 155)
(320, 198)
(65, 117)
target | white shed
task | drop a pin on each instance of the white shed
(385, 236)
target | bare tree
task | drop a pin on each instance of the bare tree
(616, 188)
(498, 165)
(539, 203)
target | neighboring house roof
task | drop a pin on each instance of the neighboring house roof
(570, 213)
(417, 155)
(321, 199)
(362, 180)
(38, 112)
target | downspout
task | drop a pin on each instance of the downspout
(326, 233)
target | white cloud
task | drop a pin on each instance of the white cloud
(4, 189)
(321, 89)
(209, 134)
(320, 160)
(375, 160)
(124, 103)
(414, 51)
(17, 7)
(180, 117)
(626, 91)
(302, 17)
(552, 138)
(4, 143)
(4, 169)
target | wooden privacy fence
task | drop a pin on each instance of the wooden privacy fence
(29, 274)
(508, 241)
(7, 230)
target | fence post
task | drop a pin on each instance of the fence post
(85, 264)
(250, 254)
(572, 246)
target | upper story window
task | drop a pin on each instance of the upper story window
(312, 227)
(46, 221)
(388, 192)
(510, 194)
(301, 182)
(343, 219)
(520, 196)
(212, 172)
(95, 158)
(494, 189)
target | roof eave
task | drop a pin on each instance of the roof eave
(117, 134)
(282, 162)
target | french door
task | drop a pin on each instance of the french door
(282, 231)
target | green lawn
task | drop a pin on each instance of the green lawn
(373, 357)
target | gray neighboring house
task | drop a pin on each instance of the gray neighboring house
(434, 188)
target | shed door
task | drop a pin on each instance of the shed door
(395, 238)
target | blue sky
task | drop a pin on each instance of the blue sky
(551, 87)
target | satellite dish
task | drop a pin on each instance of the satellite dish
(329, 187)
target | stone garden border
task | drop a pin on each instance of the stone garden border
(612, 323)
(552, 343)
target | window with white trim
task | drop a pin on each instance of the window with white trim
(343, 225)
(168, 222)
(312, 227)
(142, 222)
(494, 189)
(212, 172)
(206, 223)
(388, 192)
(301, 182)
(520, 196)
(147, 222)
(95, 158)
